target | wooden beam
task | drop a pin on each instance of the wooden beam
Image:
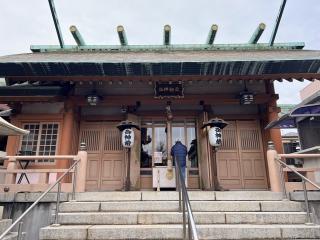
(148, 100)
(9, 99)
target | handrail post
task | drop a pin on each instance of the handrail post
(178, 186)
(12, 165)
(273, 166)
(283, 184)
(20, 231)
(74, 184)
(56, 222)
(184, 217)
(189, 228)
(306, 200)
(82, 169)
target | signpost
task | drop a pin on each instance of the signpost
(169, 90)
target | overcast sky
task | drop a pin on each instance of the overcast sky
(26, 22)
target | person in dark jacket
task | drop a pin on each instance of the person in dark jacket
(179, 152)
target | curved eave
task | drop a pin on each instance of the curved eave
(7, 129)
(240, 68)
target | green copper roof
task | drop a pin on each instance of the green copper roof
(167, 48)
(286, 108)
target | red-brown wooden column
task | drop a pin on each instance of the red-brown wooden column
(273, 135)
(66, 135)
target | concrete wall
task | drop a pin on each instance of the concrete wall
(310, 89)
(42, 215)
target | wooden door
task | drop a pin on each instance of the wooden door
(240, 160)
(253, 170)
(105, 168)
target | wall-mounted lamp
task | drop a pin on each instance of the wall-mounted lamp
(246, 97)
(93, 98)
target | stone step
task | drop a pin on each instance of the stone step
(225, 231)
(198, 206)
(173, 196)
(148, 218)
(4, 224)
(11, 236)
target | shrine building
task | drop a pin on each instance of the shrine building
(66, 95)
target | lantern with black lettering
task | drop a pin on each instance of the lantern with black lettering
(127, 138)
(215, 132)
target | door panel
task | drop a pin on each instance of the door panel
(240, 159)
(228, 160)
(105, 156)
(252, 158)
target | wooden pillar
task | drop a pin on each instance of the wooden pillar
(275, 134)
(204, 151)
(11, 177)
(271, 115)
(135, 154)
(66, 135)
(13, 141)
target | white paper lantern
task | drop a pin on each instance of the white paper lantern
(215, 136)
(127, 138)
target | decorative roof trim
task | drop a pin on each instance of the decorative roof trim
(172, 47)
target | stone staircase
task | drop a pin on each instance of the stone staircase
(154, 215)
(4, 224)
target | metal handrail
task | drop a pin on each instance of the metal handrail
(184, 202)
(304, 180)
(299, 174)
(18, 220)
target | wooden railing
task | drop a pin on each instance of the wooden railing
(41, 178)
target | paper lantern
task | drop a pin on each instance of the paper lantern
(127, 138)
(215, 136)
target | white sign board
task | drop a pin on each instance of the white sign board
(157, 157)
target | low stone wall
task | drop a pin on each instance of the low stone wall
(15, 204)
(314, 201)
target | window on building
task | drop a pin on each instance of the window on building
(42, 140)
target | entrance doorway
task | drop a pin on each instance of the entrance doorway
(240, 159)
(155, 149)
(105, 167)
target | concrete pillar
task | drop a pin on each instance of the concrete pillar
(82, 169)
(274, 168)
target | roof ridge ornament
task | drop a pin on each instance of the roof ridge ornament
(166, 35)
(257, 33)
(56, 22)
(122, 36)
(77, 36)
(275, 30)
(212, 34)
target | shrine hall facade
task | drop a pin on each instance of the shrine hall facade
(78, 94)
